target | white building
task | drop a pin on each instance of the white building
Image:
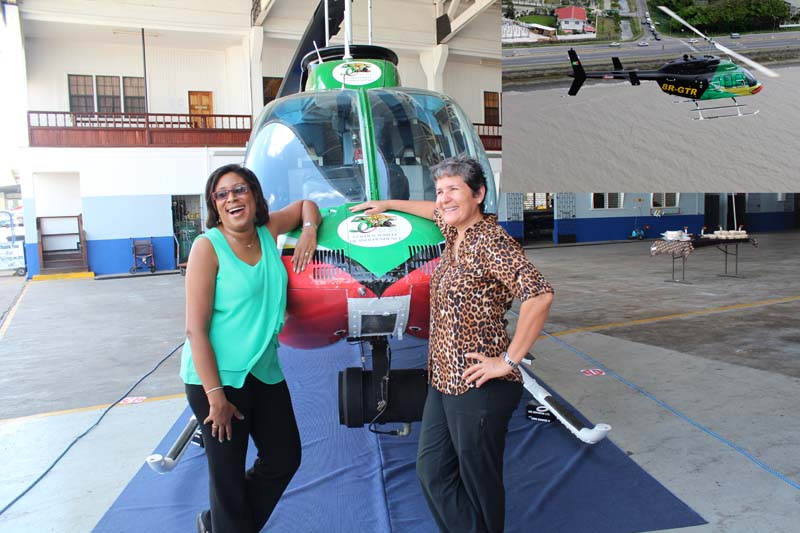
(571, 18)
(96, 171)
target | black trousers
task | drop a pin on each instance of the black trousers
(242, 501)
(460, 456)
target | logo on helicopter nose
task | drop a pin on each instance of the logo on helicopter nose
(373, 231)
(356, 73)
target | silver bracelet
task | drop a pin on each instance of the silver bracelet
(310, 225)
(510, 362)
(209, 391)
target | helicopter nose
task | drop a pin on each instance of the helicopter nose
(756, 89)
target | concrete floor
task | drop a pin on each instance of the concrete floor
(700, 381)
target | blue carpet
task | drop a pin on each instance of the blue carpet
(352, 480)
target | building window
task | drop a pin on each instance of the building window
(271, 86)
(665, 199)
(81, 93)
(108, 100)
(491, 108)
(533, 201)
(606, 200)
(133, 94)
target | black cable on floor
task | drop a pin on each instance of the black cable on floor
(86, 432)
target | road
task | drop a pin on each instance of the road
(554, 55)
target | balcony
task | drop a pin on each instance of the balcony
(93, 130)
(491, 136)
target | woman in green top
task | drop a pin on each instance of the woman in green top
(235, 302)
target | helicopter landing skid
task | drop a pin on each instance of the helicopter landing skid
(736, 105)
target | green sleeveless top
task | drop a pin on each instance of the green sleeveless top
(249, 304)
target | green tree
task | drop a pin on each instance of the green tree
(508, 9)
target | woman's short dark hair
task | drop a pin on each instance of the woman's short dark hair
(262, 211)
(467, 169)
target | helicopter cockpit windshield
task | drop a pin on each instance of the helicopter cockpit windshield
(308, 146)
(414, 130)
(751, 80)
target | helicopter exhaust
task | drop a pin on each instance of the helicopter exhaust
(577, 72)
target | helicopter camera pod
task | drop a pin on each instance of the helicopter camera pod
(360, 393)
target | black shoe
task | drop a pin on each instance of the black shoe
(204, 522)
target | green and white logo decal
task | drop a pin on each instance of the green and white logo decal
(357, 73)
(374, 231)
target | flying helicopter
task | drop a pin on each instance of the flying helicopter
(697, 79)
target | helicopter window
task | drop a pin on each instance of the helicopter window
(309, 146)
(414, 130)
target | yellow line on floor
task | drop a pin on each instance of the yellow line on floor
(90, 408)
(68, 275)
(13, 311)
(678, 315)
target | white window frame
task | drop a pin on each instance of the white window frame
(605, 201)
(664, 197)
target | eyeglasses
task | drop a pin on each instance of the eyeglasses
(237, 191)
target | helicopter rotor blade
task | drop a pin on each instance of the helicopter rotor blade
(677, 17)
(756, 66)
(724, 49)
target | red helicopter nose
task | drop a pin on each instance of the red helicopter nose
(757, 89)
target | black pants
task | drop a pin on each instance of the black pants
(460, 456)
(242, 502)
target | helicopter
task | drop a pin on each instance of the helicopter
(343, 131)
(697, 79)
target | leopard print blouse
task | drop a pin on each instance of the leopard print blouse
(470, 298)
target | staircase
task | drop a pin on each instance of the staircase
(62, 245)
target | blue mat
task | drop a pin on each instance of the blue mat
(352, 480)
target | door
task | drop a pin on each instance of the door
(796, 210)
(201, 103)
(711, 217)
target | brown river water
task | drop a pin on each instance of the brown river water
(616, 137)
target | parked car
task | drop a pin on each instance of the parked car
(615, 43)
(643, 43)
(692, 41)
(735, 35)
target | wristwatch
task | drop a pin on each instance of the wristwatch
(310, 225)
(510, 361)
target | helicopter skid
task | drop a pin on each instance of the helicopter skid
(699, 110)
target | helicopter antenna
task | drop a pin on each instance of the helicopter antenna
(348, 30)
(319, 56)
(327, 28)
(724, 49)
(369, 20)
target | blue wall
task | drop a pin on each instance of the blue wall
(764, 222)
(618, 228)
(114, 256)
(513, 228)
(32, 259)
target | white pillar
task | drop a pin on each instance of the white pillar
(256, 42)
(433, 62)
(14, 100)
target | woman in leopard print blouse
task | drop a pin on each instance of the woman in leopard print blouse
(473, 381)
